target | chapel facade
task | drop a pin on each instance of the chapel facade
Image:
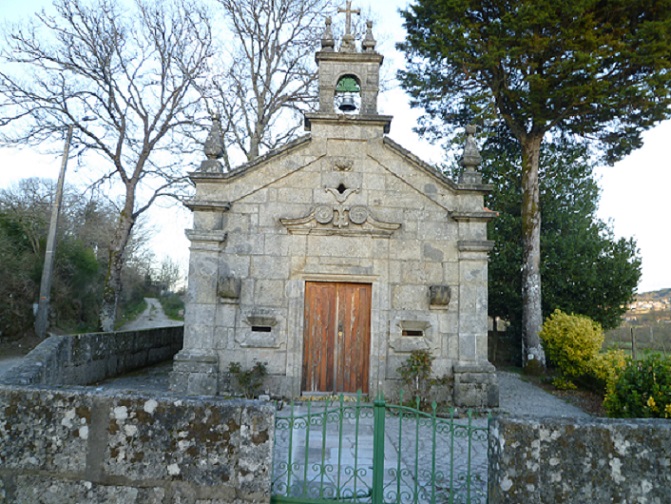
(334, 257)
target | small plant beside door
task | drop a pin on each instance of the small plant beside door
(416, 375)
(250, 380)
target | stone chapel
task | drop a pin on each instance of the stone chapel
(334, 257)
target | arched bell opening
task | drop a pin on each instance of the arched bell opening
(347, 98)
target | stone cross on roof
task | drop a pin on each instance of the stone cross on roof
(348, 38)
(348, 16)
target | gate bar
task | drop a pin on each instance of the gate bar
(378, 449)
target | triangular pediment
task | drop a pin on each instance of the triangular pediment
(324, 163)
(258, 163)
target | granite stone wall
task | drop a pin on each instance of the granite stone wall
(77, 446)
(552, 460)
(83, 359)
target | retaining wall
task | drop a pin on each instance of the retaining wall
(80, 446)
(552, 460)
(82, 359)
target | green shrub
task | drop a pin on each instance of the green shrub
(420, 388)
(571, 343)
(563, 383)
(642, 390)
(173, 305)
(249, 381)
(605, 369)
(416, 372)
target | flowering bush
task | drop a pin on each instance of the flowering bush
(605, 369)
(571, 343)
(642, 390)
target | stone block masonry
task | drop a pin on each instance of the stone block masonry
(550, 460)
(83, 359)
(65, 446)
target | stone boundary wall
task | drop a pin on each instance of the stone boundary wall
(81, 446)
(551, 460)
(82, 359)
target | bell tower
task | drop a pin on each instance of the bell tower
(349, 76)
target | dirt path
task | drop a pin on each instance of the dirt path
(153, 316)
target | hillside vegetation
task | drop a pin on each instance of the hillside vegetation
(646, 326)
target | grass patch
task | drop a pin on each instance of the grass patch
(132, 310)
(173, 305)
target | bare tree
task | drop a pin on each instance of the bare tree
(134, 70)
(169, 275)
(270, 74)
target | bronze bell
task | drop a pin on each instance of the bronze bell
(347, 104)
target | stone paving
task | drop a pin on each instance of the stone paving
(331, 455)
(153, 316)
(152, 379)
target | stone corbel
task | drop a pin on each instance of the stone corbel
(439, 296)
(228, 289)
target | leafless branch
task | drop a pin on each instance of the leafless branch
(133, 69)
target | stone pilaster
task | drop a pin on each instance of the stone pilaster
(196, 366)
(475, 383)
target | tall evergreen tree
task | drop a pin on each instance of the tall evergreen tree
(585, 269)
(597, 69)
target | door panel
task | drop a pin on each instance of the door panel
(337, 337)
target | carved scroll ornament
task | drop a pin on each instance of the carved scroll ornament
(341, 220)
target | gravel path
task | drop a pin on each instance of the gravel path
(520, 398)
(152, 316)
(7, 363)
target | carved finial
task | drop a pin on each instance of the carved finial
(369, 41)
(348, 39)
(214, 147)
(471, 158)
(327, 37)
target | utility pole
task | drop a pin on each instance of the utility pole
(42, 316)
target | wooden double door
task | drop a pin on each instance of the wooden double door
(336, 345)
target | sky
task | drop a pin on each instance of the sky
(635, 192)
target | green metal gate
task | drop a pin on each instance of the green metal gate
(351, 451)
